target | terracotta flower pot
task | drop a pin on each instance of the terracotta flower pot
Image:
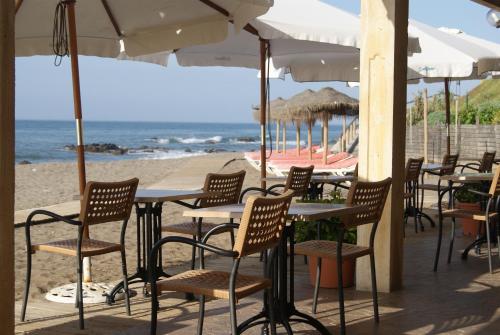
(469, 226)
(329, 278)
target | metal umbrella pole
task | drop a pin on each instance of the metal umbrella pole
(447, 109)
(263, 109)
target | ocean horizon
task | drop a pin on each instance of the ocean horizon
(39, 141)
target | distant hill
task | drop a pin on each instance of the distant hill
(487, 90)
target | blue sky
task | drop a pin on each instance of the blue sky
(118, 90)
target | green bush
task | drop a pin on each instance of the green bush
(489, 113)
(329, 230)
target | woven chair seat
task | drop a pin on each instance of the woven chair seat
(430, 187)
(468, 214)
(191, 228)
(328, 249)
(213, 284)
(68, 247)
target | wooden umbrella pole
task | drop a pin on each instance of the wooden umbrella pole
(426, 130)
(343, 138)
(297, 137)
(447, 107)
(325, 138)
(263, 109)
(284, 138)
(278, 123)
(77, 102)
(309, 138)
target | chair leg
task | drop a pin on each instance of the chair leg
(374, 287)
(125, 282)
(488, 242)
(450, 250)
(316, 285)
(79, 293)
(498, 235)
(440, 237)
(193, 254)
(341, 296)
(154, 311)
(27, 287)
(201, 316)
(231, 235)
(272, 319)
(232, 312)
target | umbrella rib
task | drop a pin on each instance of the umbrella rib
(111, 18)
(18, 5)
(248, 27)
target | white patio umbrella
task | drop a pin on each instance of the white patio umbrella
(96, 27)
(286, 34)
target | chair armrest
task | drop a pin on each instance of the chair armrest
(217, 228)
(482, 194)
(256, 189)
(52, 215)
(270, 188)
(470, 166)
(434, 173)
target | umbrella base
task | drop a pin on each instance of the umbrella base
(93, 293)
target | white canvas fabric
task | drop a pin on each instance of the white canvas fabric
(146, 26)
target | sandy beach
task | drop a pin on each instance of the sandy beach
(47, 184)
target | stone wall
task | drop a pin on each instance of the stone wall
(472, 141)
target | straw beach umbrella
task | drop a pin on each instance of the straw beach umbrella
(95, 28)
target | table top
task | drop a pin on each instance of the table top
(433, 166)
(316, 179)
(152, 195)
(297, 211)
(468, 177)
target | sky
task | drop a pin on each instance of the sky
(135, 91)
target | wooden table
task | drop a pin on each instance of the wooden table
(284, 302)
(148, 206)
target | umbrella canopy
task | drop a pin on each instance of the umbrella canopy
(146, 26)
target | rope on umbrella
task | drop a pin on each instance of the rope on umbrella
(60, 33)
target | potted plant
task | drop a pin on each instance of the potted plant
(468, 201)
(305, 231)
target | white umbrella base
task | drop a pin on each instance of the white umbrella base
(93, 293)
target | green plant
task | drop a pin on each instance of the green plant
(463, 194)
(329, 229)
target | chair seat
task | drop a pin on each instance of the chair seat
(468, 214)
(68, 247)
(328, 249)
(430, 187)
(191, 228)
(213, 284)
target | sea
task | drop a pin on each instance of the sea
(50, 141)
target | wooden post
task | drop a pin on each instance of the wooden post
(7, 288)
(457, 123)
(284, 137)
(382, 128)
(344, 139)
(309, 139)
(278, 123)
(411, 125)
(325, 138)
(426, 130)
(447, 110)
(297, 136)
(263, 108)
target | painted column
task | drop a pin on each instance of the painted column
(382, 127)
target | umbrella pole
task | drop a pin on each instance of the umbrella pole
(343, 138)
(278, 135)
(426, 130)
(77, 102)
(309, 139)
(297, 137)
(325, 138)
(284, 137)
(263, 108)
(447, 105)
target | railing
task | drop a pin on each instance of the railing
(349, 135)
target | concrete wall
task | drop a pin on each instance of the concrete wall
(472, 141)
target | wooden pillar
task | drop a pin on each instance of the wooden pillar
(457, 149)
(384, 40)
(325, 137)
(7, 167)
(426, 129)
(278, 124)
(297, 136)
(309, 138)
(284, 137)
(344, 138)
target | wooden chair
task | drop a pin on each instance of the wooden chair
(260, 229)
(449, 163)
(298, 180)
(485, 216)
(102, 202)
(484, 165)
(373, 195)
(226, 189)
(412, 172)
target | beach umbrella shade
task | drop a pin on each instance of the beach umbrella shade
(288, 34)
(96, 28)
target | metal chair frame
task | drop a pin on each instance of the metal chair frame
(413, 168)
(90, 215)
(484, 165)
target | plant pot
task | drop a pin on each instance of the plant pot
(469, 226)
(329, 278)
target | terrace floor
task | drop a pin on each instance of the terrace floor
(461, 298)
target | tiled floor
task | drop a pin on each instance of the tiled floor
(461, 298)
